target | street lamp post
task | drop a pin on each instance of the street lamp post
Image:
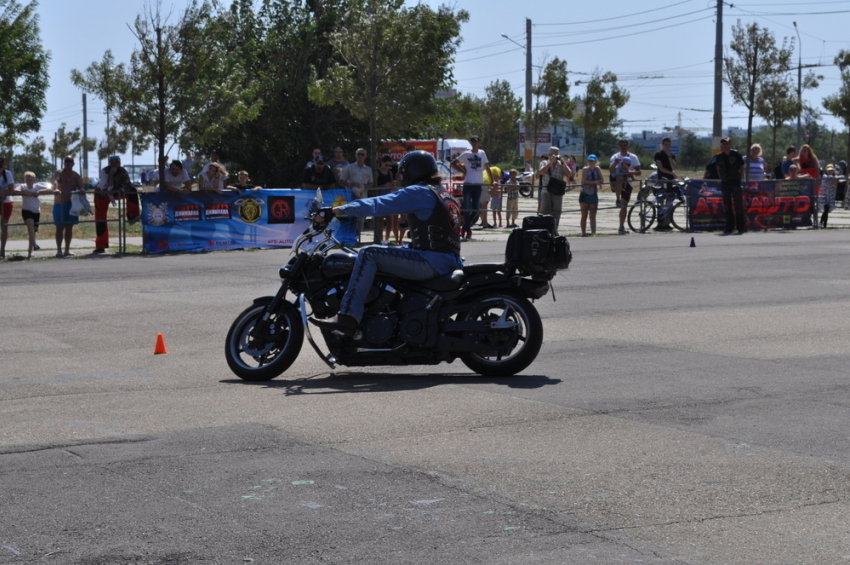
(799, 82)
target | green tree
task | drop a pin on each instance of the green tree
(838, 104)
(32, 159)
(65, 142)
(24, 79)
(284, 46)
(550, 101)
(602, 102)
(693, 153)
(393, 60)
(751, 61)
(456, 117)
(500, 110)
(777, 103)
(182, 81)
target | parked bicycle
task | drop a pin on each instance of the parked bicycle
(654, 201)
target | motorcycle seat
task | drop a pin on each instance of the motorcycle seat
(482, 268)
(444, 283)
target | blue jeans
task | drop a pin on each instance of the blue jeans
(409, 264)
(471, 205)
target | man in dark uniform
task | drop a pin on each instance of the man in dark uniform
(728, 166)
(435, 226)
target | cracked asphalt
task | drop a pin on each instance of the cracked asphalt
(689, 406)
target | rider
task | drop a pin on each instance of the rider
(435, 224)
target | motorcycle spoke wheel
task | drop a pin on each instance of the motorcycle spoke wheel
(254, 355)
(513, 340)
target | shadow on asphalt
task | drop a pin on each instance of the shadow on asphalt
(336, 383)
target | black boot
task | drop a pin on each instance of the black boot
(342, 323)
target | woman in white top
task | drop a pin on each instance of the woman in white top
(31, 207)
(212, 179)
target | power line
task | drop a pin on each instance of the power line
(608, 29)
(626, 35)
(617, 17)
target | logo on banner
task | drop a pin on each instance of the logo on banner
(158, 215)
(187, 213)
(250, 209)
(281, 209)
(217, 212)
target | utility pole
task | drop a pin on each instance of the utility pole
(799, 81)
(161, 95)
(717, 132)
(85, 140)
(528, 65)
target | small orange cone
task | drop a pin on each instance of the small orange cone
(160, 345)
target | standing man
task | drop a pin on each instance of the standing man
(790, 155)
(337, 164)
(114, 184)
(188, 163)
(471, 163)
(316, 153)
(67, 183)
(665, 160)
(558, 171)
(728, 166)
(318, 175)
(358, 177)
(630, 165)
(7, 189)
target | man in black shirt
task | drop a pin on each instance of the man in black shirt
(728, 166)
(318, 175)
(665, 160)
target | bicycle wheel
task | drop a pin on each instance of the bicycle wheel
(680, 216)
(641, 216)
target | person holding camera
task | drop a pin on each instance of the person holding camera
(551, 200)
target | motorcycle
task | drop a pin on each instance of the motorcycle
(481, 314)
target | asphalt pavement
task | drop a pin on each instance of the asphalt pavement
(689, 406)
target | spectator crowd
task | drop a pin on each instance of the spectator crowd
(486, 191)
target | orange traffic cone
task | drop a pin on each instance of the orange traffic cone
(160, 345)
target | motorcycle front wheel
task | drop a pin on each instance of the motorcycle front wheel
(514, 337)
(525, 189)
(262, 356)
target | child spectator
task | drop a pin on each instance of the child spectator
(512, 193)
(828, 185)
(243, 184)
(496, 203)
(31, 207)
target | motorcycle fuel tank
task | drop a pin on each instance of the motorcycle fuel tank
(338, 264)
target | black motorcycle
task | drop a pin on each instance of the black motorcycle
(481, 314)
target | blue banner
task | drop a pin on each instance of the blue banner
(203, 220)
(767, 204)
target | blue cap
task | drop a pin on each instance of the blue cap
(592, 157)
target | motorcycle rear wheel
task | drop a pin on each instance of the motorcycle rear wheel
(513, 348)
(264, 358)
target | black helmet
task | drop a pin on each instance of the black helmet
(418, 167)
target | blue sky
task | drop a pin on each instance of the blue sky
(661, 50)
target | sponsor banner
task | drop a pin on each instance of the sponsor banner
(767, 204)
(202, 221)
(399, 150)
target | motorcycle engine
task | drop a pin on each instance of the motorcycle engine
(379, 329)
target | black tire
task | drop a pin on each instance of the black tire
(641, 216)
(513, 349)
(525, 189)
(679, 219)
(254, 359)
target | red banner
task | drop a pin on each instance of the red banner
(399, 150)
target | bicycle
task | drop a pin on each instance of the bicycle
(654, 201)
